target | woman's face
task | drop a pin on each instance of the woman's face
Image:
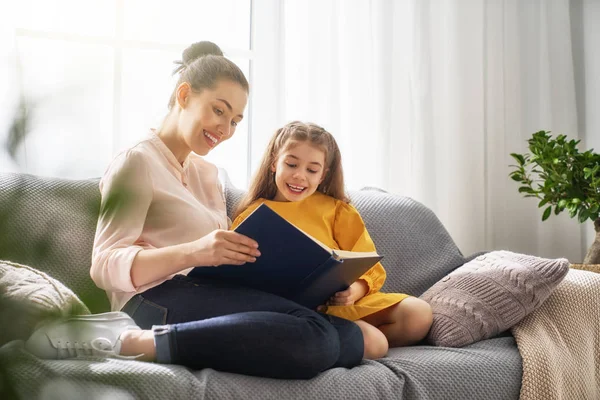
(210, 117)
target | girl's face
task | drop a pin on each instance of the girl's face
(211, 116)
(299, 170)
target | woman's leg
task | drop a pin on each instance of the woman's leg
(208, 323)
(405, 323)
(139, 344)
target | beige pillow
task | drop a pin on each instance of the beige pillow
(489, 295)
(29, 297)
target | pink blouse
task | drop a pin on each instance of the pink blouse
(149, 201)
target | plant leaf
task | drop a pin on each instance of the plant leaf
(547, 212)
(520, 158)
(583, 215)
(557, 210)
(527, 189)
(562, 203)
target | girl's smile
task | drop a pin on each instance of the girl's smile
(298, 171)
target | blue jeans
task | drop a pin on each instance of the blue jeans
(207, 323)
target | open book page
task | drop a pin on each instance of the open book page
(343, 254)
(323, 245)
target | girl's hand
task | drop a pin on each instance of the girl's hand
(224, 247)
(347, 297)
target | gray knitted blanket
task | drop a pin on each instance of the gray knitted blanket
(25, 376)
(486, 370)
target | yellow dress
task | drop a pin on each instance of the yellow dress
(339, 226)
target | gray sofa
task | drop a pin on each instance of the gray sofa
(49, 224)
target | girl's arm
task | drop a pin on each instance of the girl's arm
(350, 232)
(347, 297)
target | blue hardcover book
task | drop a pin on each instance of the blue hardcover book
(292, 264)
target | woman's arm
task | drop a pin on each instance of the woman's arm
(120, 263)
(217, 248)
(127, 191)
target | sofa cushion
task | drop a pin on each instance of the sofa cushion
(489, 295)
(49, 224)
(29, 297)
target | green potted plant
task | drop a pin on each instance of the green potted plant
(563, 179)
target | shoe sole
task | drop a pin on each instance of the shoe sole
(108, 316)
(102, 317)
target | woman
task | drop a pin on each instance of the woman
(162, 213)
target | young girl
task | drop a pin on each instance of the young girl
(300, 177)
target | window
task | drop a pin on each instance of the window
(96, 75)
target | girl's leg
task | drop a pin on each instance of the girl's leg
(208, 323)
(405, 323)
(375, 342)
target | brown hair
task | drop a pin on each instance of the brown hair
(203, 65)
(263, 183)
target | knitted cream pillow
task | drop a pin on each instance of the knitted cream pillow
(489, 295)
(29, 297)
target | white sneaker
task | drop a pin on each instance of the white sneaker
(81, 336)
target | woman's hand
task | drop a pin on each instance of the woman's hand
(224, 247)
(347, 297)
(217, 248)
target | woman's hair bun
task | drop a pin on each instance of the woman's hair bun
(200, 49)
(195, 51)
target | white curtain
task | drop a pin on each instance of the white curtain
(428, 98)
